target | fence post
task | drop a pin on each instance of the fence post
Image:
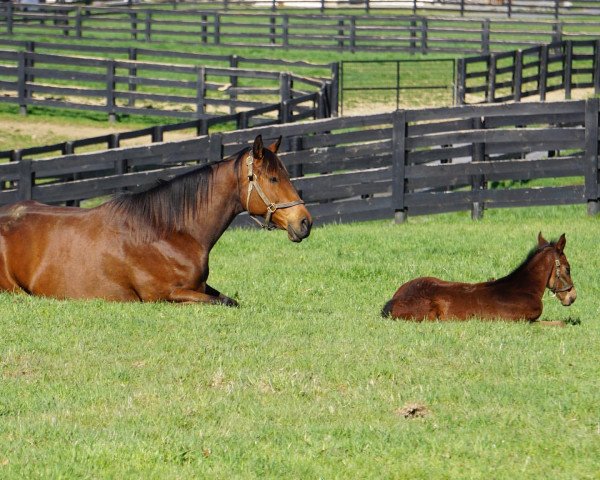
(132, 86)
(158, 134)
(29, 64)
(491, 86)
(110, 90)
(543, 74)
(285, 114)
(69, 149)
(424, 46)
(9, 18)
(478, 181)
(353, 34)
(518, 76)
(413, 37)
(285, 87)
(204, 28)
(217, 29)
(557, 32)
(399, 166)
(461, 81)
(285, 34)
(200, 91)
(485, 37)
(79, 23)
(596, 63)
(134, 24)
(340, 34)
(21, 83)
(215, 147)
(26, 178)
(233, 82)
(334, 89)
(592, 106)
(272, 29)
(148, 26)
(568, 69)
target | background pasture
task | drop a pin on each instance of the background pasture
(305, 379)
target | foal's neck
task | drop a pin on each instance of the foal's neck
(533, 275)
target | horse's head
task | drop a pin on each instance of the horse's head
(559, 281)
(266, 191)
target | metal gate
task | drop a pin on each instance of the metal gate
(385, 85)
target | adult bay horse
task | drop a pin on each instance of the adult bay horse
(518, 296)
(147, 246)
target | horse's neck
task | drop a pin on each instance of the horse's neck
(533, 276)
(222, 206)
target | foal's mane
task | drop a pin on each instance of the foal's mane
(530, 256)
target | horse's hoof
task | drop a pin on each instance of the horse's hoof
(229, 302)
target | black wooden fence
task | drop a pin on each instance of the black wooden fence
(535, 71)
(553, 8)
(119, 86)
(344, 32)
(377, 166)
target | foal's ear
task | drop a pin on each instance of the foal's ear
(274, 147)
(257, 148)
(541, 240)
(562, 241)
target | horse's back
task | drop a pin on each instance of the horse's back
(45, 249)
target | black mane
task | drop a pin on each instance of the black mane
(530, 255)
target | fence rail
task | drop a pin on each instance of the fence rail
(369, 167)
(535, 71)
(343, 32)
(508, 8)
(135, 87)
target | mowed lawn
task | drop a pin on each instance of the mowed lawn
(305, 379)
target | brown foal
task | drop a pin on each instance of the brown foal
(147, 246)
(518, 296)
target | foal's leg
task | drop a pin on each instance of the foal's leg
(183, 295)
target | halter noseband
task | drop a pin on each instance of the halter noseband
(566, 285)
(271, 207)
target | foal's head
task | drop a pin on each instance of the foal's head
(266, 191)
(559, 281)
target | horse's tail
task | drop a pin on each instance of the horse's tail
(387, 308)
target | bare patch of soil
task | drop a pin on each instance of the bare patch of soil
(413, 410)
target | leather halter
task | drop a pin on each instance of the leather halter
(271, 207)
(566, 285)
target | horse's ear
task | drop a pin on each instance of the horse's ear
(257, 148)
(541, 240)
(274, 147)
(562, 241)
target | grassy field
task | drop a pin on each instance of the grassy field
(305, 380)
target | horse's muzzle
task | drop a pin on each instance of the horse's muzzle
(297, 233)
(569, 298)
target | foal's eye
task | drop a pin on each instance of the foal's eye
(273, 179)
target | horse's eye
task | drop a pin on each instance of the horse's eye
(273, 179)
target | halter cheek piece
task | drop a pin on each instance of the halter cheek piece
(566, 285)
(271, 207)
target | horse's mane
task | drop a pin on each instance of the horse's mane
(168, 206)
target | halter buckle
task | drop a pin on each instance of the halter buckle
(272, 207)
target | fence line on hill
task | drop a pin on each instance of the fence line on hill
(508, 8)
(343, 32)
(119, 86)
(535, 71)
(409, 162)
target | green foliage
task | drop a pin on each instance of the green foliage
(305, 379)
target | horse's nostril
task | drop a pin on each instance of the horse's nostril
(305, 224)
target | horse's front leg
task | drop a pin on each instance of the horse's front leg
(224, 299)
(184, 295)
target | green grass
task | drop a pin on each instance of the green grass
(305, 379)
